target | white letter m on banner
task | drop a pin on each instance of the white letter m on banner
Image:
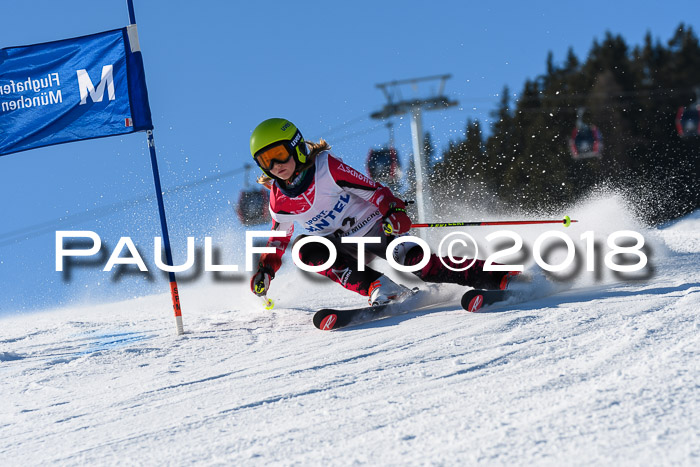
(85, 85)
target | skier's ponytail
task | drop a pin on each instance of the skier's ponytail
(314, 150)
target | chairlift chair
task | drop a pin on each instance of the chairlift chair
(586, 141)
(253, 202)
(252, 208)
(688, 121)
(383, 165)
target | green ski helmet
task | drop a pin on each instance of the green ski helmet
(274, 141)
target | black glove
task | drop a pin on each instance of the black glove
(260, 281)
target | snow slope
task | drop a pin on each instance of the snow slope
(605, 372)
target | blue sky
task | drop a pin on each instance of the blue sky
(215, 69)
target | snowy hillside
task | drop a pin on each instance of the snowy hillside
(603, 373)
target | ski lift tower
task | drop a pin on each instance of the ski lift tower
(396, 105)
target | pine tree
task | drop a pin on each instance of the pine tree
(500, 147)
(633, 96)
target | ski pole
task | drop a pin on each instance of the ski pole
(566, 222)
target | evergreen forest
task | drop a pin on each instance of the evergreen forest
(632, 95)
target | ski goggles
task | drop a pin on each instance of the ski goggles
(277, 153)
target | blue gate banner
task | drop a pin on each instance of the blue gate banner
(71, 90)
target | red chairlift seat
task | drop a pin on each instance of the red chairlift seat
(586, 142)
(688, 121)
(252, 208)
(383, 165)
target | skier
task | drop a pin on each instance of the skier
(310, 186)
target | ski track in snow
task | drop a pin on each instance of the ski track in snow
(603, 373)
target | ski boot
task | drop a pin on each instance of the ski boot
(384, 290)
(509, 277)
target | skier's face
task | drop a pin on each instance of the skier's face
(284, 170)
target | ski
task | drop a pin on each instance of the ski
(476, 299)
(331, 318)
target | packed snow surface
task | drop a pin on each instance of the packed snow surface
(603, 372)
